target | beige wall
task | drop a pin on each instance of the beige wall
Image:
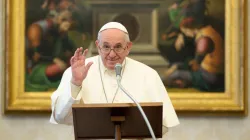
(192, 128)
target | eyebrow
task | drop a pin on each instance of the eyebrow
(106, 43)
(118, 44)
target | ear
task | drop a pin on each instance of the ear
(129, 46)
(97, 43)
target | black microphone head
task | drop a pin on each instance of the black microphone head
(118, 69)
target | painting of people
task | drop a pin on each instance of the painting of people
(54, 29)
(193, 45)
(189, 53)
(198, 48)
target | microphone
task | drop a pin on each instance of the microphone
(118, 69)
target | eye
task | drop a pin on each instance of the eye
(105, 46)
(118, 46)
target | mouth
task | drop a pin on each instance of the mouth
(112, 59)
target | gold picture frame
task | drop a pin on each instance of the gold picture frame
(232, 102)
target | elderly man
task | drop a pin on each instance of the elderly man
(93, 80)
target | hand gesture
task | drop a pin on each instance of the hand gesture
(179, 43)
(78, 67)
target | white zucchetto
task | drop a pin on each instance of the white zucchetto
(113, 25)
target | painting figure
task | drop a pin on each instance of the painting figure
(187, 8)
(193, 46)
(207, 67)
(49, 47)
(172, 38)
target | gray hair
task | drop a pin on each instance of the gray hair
(126, 37)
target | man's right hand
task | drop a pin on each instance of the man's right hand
(78, 67)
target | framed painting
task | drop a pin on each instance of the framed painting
(198, 47)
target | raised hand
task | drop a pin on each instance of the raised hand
(78, 67)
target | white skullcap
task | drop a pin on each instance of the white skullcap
(114, 25)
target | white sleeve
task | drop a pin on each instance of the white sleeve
(62, 100)
(158, 93)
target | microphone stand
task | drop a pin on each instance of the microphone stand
(118, 79)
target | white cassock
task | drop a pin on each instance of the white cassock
(100, 86)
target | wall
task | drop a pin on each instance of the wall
(192, 128)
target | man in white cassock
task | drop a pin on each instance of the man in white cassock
(93, 80)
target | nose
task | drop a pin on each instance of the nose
(112, 54)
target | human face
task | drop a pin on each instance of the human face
(113, 38)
